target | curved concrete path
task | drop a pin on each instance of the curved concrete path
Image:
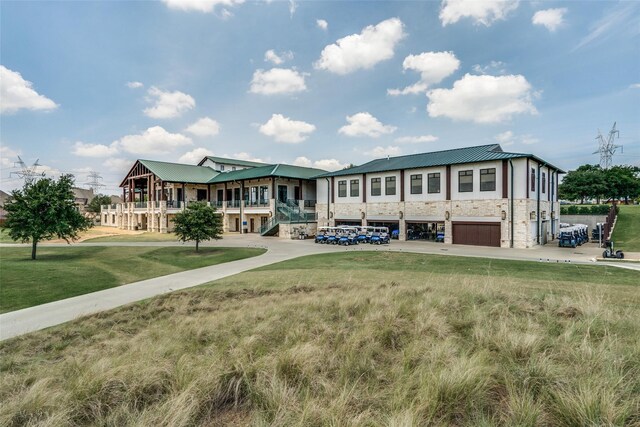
(31, 319)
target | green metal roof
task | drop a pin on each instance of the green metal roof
(178, 172)
(279, 170)
(481, 153)
(232, 161)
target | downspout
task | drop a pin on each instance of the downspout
(511, 202)
(538, 185)
(328, 199)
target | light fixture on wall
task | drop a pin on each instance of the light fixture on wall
(532, 215)
(447, 215)
(330, 214)
(362, 215)
(553, 215)
(504, 215)
(401, 214)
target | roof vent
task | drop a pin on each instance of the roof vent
(387, 157)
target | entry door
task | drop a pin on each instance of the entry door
(282, 193)
(201, 195)
(220, 195)
(237, 224)
(543, 233)
(251, 222)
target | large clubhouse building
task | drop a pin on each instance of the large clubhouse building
(476, 195)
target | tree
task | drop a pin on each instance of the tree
(586, 182)
(42, 210)
(623, 182)
(96, 203)
(198, 222)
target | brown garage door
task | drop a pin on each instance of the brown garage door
(476, 233)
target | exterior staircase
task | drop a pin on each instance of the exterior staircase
(288, 212)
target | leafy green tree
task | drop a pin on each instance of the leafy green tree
(42, 210)
(198, 222)
(586, 182)
(96, 203)
(623, 182)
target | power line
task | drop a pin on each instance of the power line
(606, 146)
(94, 181)
(26, 173)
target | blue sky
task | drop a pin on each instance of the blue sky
(95, 85)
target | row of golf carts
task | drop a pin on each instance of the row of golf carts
(353, 235)
(574, 235)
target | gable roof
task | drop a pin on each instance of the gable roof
(480, 153)
(278, 170)
(176, 172)
(231, 161)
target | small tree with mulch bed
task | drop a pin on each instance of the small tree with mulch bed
(198, 222)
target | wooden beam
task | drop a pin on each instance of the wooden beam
(332, 190)
(505, 179)
(528, 177)
(364, 188)
(448, 181)
(402, 185)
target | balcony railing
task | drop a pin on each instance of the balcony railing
(139, 205)
(233, 203)
(257, 204)
(309, 203)
(174, 204)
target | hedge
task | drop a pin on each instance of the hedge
(585, 210)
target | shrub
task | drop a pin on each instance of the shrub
(572, 210)
(584, 210)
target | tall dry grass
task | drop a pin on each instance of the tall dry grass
(323, 348)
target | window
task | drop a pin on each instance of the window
(233, 168)
(465, 181)
(342, 188)
(488, 179)
(533, 179)
(354, 191)
(433, 182)
(544, 182)
(416, 184)
(375, 187)
(221, 168)
(390, 185)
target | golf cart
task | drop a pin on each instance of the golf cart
(364, 234)
(380, 236)
(567, 238)
(347, 236)
(321, 234)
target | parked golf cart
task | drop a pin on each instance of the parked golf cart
(610, 252)
(331, 238)
(364, 234)
(321, 235)
(567, 238)
(440, 237)
(347, 236)
(380, 236)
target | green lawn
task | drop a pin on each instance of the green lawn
(4, 236)
(63, 272)
(144, 237)
(626, 234)
(353, 339)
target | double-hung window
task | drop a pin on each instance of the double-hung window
(390, 185)
(416, 184)
(376, 189)
(465, 181)
(488, 179)
(433, 182)
(342, 188)
(354, 190)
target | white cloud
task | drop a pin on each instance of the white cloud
(384, 151)
(483, 99)
(505, 138)
(549, 18)
(7, 157)
(94, 150)
(152, 141)
(322, 24)
(415, 139)
(277, 80)
(484, 12)
(433, 68)
(205, 6)
(326, 164)
(17, 93)
(362, 51)
(118, 164)
(494, 67)
(292, 7)
(272, 56)
(634, 86)
(528, 140)
(246, 156)
(364, 124)
(283, 129)
(194, 156)
(134, 85)
(168, 104)
(204, 127)
(621, 21)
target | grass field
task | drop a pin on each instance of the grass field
(347, 339)
(626, 233)
(62, 272)
(4, 236)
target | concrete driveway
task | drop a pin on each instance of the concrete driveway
(31, 319)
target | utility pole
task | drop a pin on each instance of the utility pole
(27, 173)
(606, 147)
(94, 181)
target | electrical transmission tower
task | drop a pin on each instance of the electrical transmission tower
(94, 181)
(27, 173)
(606, 147)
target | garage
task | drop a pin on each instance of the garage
(476, 233)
